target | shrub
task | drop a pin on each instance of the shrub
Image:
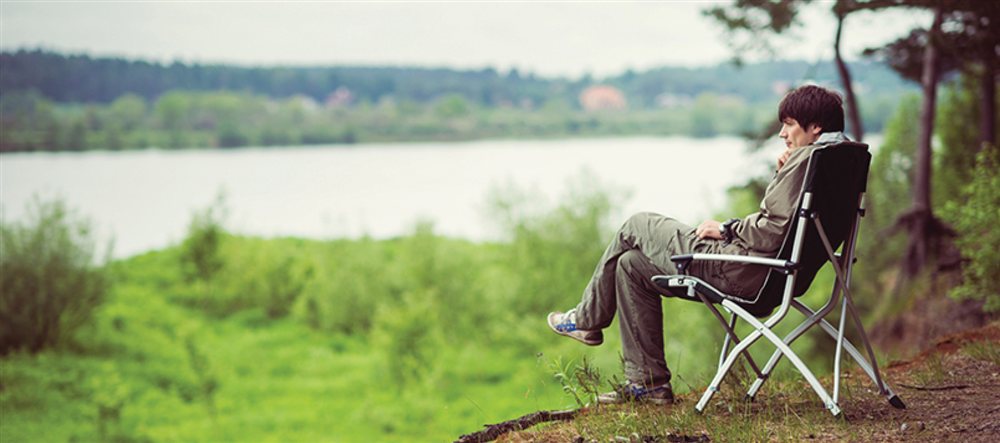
(260, 274)
(553, 251)
(49, 282)
(200, 252)
(973, 217)
(408, 337)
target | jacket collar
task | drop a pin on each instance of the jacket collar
(828, 138)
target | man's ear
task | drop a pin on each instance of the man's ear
(814, 129)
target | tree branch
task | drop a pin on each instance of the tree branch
(492, 432)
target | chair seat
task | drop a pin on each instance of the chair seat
(714, 295)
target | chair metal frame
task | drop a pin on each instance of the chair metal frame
(841, 295)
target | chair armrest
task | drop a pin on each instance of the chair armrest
(684, 260)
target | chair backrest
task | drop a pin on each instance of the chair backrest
(836, 176)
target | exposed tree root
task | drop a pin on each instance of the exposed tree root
(933, 388)
(492, 432)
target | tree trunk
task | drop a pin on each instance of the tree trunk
(853, 115)
(987, 99)
(920, 219)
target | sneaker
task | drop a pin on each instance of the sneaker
(633, 392)
(565, 324)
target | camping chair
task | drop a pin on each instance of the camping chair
(829, 213)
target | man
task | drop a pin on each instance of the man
(810, 116)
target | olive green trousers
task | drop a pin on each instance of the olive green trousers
(622, 283)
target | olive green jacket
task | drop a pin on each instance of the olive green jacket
(762, 233)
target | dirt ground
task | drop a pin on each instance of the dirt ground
(951, 391)
(950, 395)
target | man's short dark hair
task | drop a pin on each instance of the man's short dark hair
(813, 105)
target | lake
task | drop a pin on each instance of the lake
(145, 199)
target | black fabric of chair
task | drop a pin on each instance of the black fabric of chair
(829, 212)
(836, 175)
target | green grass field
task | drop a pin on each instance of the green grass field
(418, 338)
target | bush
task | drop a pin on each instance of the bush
(973, 217)
(49, 283)
(200, 252)
(553, 251)
(408, 336)
(337, 299)
(265, 275)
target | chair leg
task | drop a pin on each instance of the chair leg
(728, 338)
(841, 278)
(762, 330)
(869, 368)
(724, 368)
(811, 320)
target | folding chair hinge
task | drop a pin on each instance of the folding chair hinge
(862, 211)
(680, 281)
(789, 267)
(682, 262)
(808, 213)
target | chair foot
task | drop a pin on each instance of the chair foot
(834, 409)
(896, 402)
(748, 398)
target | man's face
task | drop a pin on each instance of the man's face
(796, 136)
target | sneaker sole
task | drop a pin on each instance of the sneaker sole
(655, 401)
(552, 326)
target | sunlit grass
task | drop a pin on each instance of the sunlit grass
(165, 359)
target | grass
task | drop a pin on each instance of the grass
(155, 366)
(933, 372)
(164, 359)
(787, 410)
(792, 417)
(984, 350)
(280, 383)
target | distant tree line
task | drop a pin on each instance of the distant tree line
(80, 78)
(56, 102)
(83, 79)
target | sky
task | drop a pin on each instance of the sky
(567, 39)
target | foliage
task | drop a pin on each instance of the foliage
(958, 129)
(748, 23)
(330, 301)
(181, 106)
(973, 217)
(200, 250)
(415, 338)
(580, 381)
(408, 336)
(888, 194)
(111, 79)
(553, 253)
(49, 281)
(968, 36)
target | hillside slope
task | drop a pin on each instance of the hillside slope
(952, 393)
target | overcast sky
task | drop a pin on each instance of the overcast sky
(550, 39)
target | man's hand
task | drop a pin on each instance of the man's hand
(709, 229)
(784, 157)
